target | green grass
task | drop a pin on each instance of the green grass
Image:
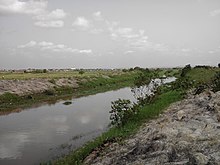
(202, 75)
(59, 74)
(119, 133)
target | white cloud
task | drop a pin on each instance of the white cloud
(215, 12)
(85, 51)
(22, 7)
(50, 24)
(44, 45)
(132, 38)
(28, 45)
(185, 50)
(53, 15)
(129, 52)
(98, 16)
(38, 8)
(82, 23)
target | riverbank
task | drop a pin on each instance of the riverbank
(33, 89)
(186, 133)
(116, 135)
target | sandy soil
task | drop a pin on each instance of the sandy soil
(30, 86)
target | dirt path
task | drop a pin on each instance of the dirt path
(30, 86)
(188, 132)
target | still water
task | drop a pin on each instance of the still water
(40, 134)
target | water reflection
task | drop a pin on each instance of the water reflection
(34, 135)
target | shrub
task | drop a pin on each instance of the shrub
(122, 110)
(44, 70)
(185, 70)
(182, 84)
(49, 92)
(216, 82)
(52, 81)
(81, 72)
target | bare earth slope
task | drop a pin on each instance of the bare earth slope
(188, 132)
(30, 86)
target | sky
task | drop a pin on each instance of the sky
(108, 33)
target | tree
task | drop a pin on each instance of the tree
(219, 65)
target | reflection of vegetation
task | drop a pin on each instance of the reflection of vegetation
(67, 102)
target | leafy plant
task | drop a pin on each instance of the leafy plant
(122, 110)
(216, 82)
(185, 70)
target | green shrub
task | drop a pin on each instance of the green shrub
(49, 92)
(122, 110)
(216, 82)
(185, 70)
(81, 72)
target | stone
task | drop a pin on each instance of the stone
(181, 114)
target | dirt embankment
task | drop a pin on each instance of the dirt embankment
(30, 86)
(188, 132)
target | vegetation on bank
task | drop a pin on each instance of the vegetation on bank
(127, 118)
(89, 83)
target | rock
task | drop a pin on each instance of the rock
(198, 158)
(187, 133)
(181, 114)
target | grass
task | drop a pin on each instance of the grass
(202, 75)
(119, 133)
(58, 74)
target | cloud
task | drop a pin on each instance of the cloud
(22, 7)
(50, 24)
(81, 23)
(135, 39)
(53, 15)
(98, 16)
(51, 19)
(37, 8)
(44, 45)
(129, 52)
(215, 12)
(28, 45)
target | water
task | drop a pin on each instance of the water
(39, 134)
(43, 133)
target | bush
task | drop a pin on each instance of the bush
(216, 82)
(49, 92)
(182, 84)
(81, 72)
(185, 70)
(122, 110)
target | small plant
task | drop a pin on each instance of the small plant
(122, 110)
(216, 82)
(81, 72)
(52, 81)
(49, 92)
